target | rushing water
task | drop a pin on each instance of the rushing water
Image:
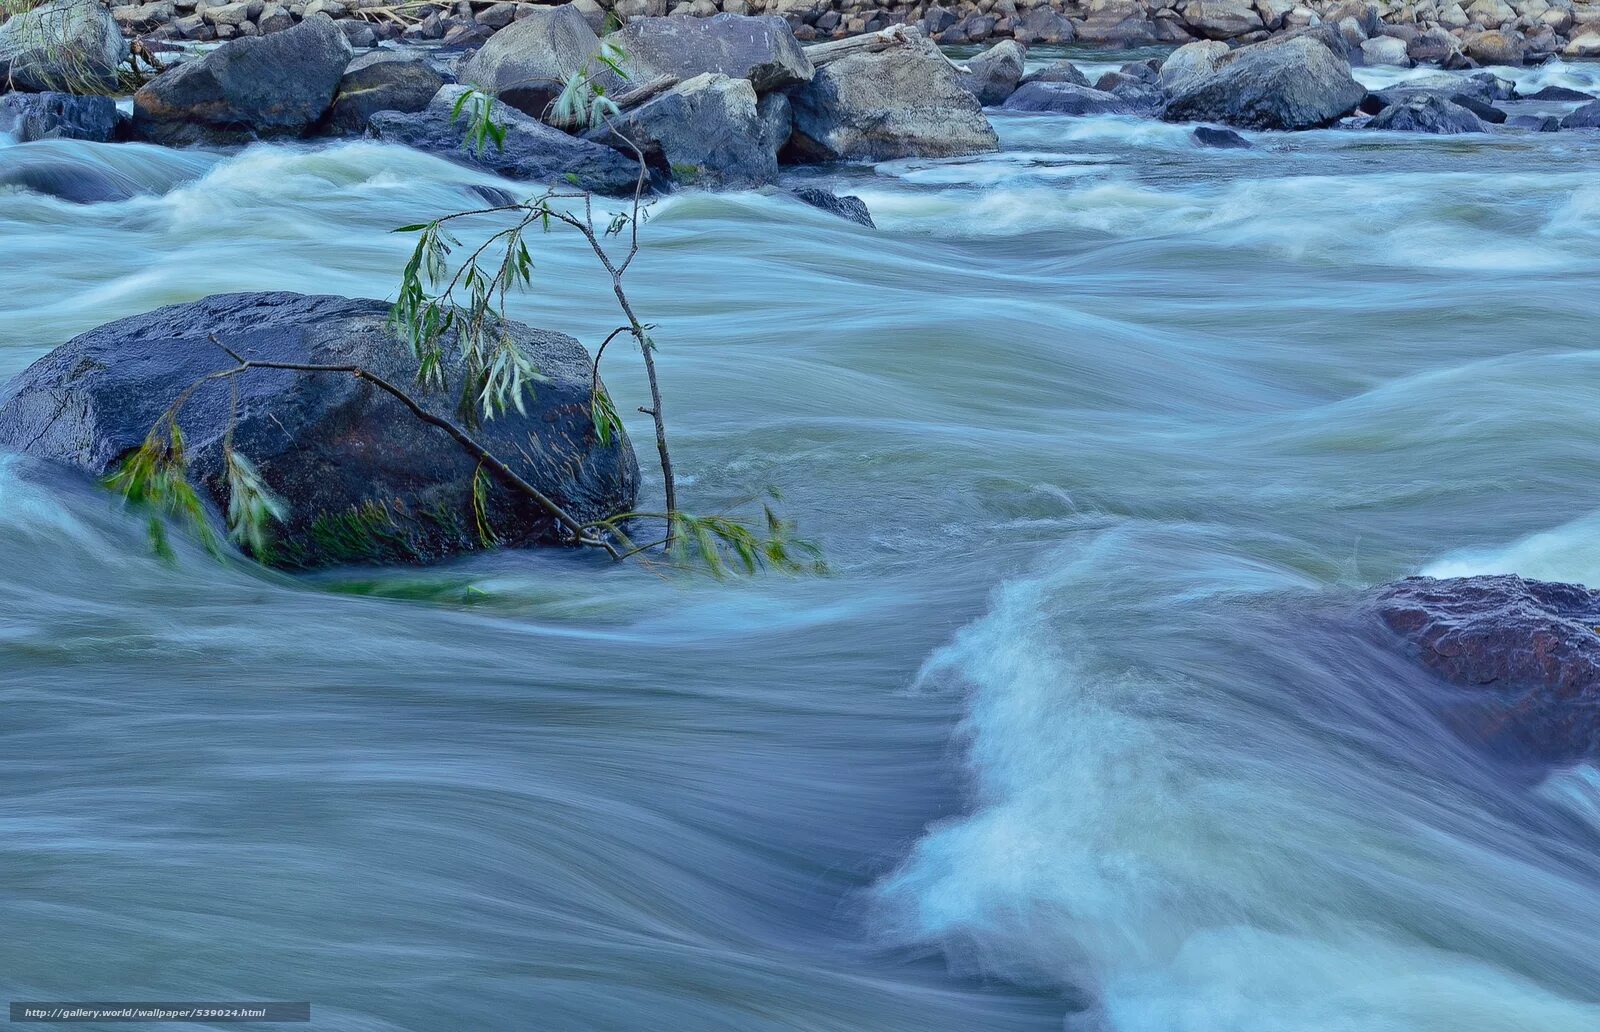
(1104, 436)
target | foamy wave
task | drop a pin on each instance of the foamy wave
(1569, 553)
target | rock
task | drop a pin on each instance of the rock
(1140, 96)
(1433, 46)
(251, 88)
(762, 50)
(993, 75)
(1528, 649)
(144, 17)
(1485, 112)
(1428, 114)
(386, 80)
(362, 478)
(1189, 63)
(73, 46)
(359, 34)
(1559, 93)
(533, 151)
(1222, 19)
(526, 64)
(592, 13)
(43, 116)
(1225, 139)
(901, 102)
(1289, 82)
(1043, 25)
(1585, 44)
(1494, 47)
(1385, 50)
(1586, 117)
(65, 176)
(852, 209)
(1065, 98)
(1059, 71)
(706, 131)
(1537, 123)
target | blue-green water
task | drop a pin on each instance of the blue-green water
(1104, 436)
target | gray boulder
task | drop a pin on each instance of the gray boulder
(1385, 50)
(1221, 139)
(900, 102)
(845, 206)
(1059, 71)
(1427, 114)
(760, 49)
(73, 46)
(1290, 82)
(254, 87)
(384, 80)
(1586, 117)
(1190, 63)
(1065, 98)
(707, 131)
(1495, 47)
(363, 479)
(1142, 96)
(43, 116)
(533, 151)
(994, 75)
(527, 63)
(1222, 19)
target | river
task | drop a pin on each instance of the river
(1104, 436)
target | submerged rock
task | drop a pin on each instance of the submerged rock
(251, 88)
(708, 131)
(73, 46)
(1065, 98)
(364, 480)
(904, 101)
(384, 80)
(1532, 646)
(846, 206)
(1428, 114)
(1586, 117)
(44, 116)
(532, 150)
(1224, 139)
(760, 49)
(1289, 82)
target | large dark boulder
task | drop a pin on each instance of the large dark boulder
(73, 46)
(532, 150)
(44, 116)
(760, 49)
(994, 75)
(1428, 114)
(903, 101)
(708, 131)
(1291, 82)
(527, 63)
(255, 87)
(384, 80)
(1065, 98)
(363, 479)
(1530, 647)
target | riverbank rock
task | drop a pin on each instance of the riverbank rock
(1289, 82)
(1058, 71)
(1428, 114)
(760, 49)
(253, 88)
(363, 479)
(1065, 98)
(994, 75)
(1495, 47)
(73, 46)
(527, 63)
(46, 116)
(384, 80)
(532, 151)
(1530, 647)
(710, 131)
(902, 101)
